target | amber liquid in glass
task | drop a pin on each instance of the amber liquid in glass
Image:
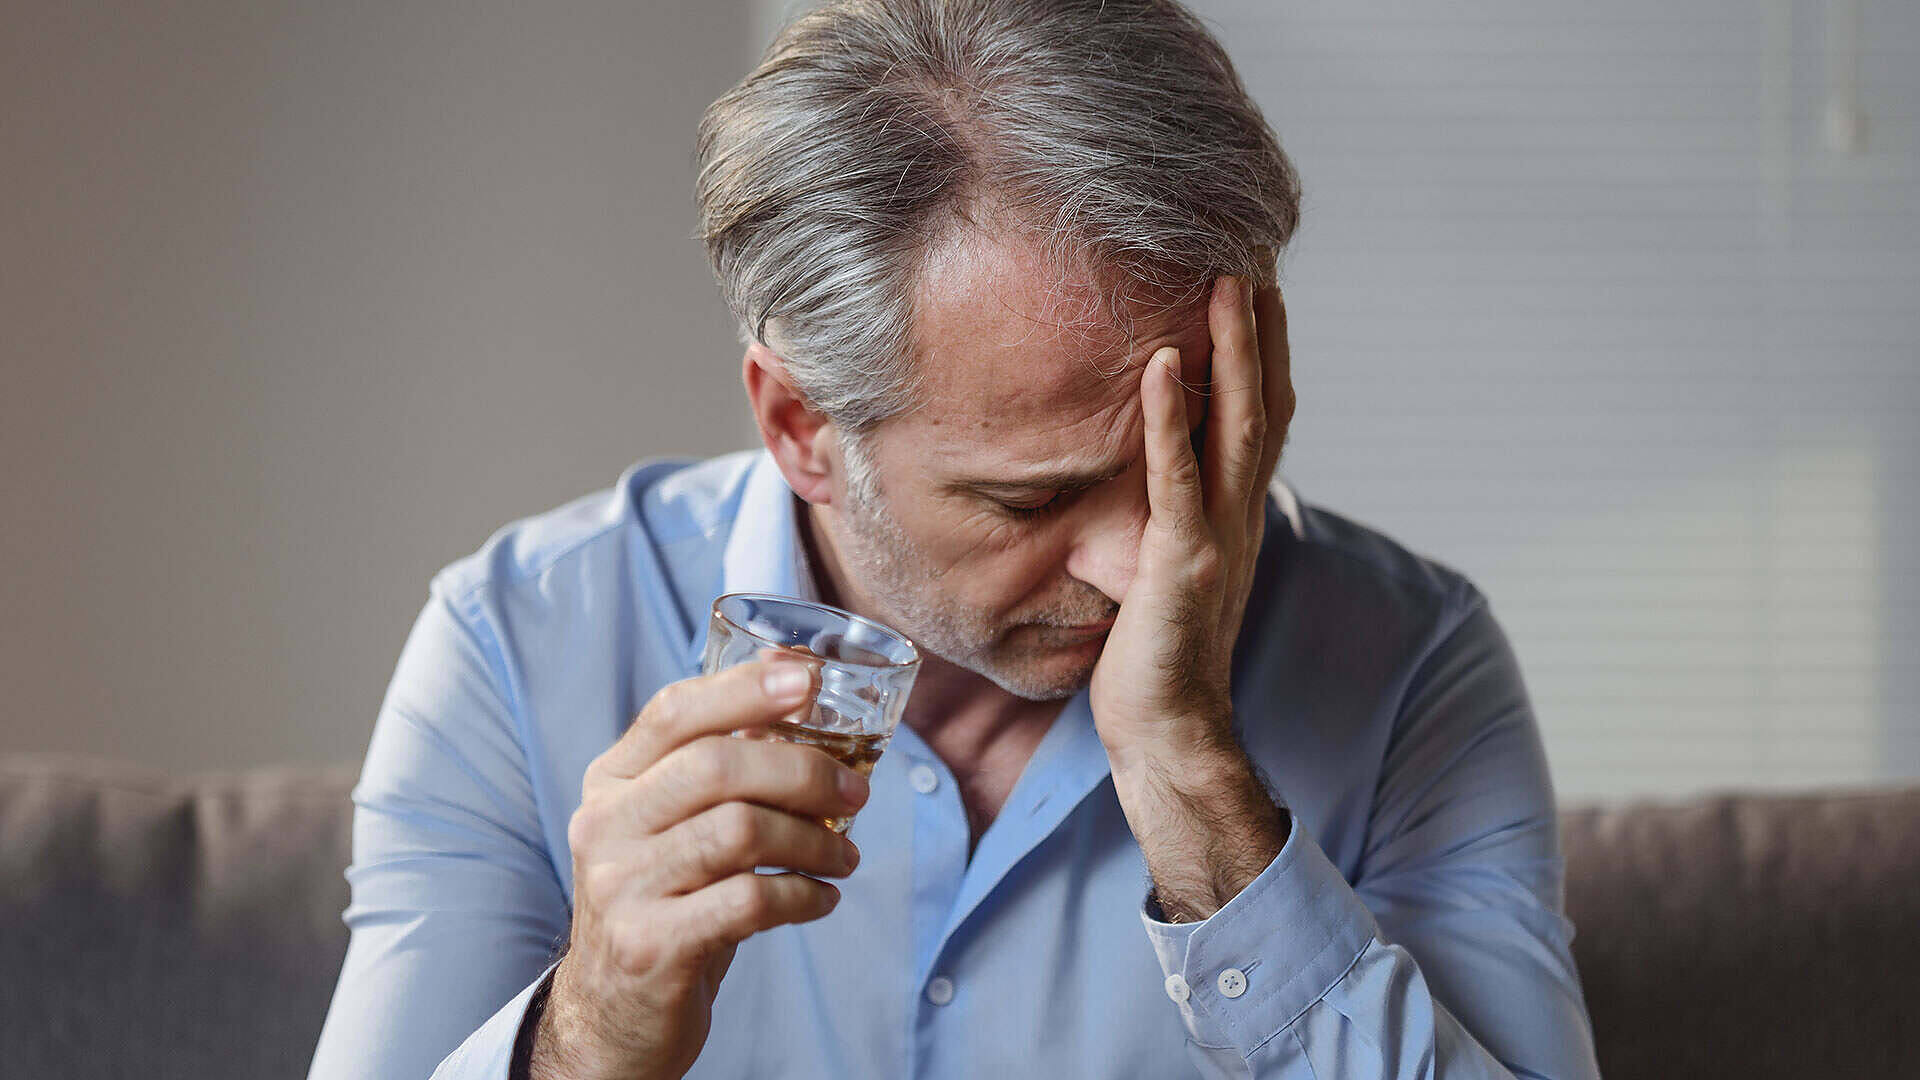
(856, 752)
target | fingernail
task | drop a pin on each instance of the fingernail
(853, 786)
(853, 856)
(786, 682)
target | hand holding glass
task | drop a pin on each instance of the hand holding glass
(866, 672)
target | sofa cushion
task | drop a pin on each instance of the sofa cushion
(1751, 936)
(163, 927)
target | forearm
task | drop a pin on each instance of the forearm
(1205, 824)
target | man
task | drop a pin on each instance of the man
(1195, 777)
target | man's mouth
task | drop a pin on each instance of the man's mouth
(1075, 634)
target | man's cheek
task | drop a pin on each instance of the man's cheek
(992, 578)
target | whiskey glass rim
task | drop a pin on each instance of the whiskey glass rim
(913, 650)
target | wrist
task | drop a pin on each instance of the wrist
(1192, 767)
(521, 1067)
(565, 1044)
(1184, 753)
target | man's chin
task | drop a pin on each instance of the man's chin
(1048, 673)
(1031, 690)
(1034, 662)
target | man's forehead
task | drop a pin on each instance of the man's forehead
(1007, 341)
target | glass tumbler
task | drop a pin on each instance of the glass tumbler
(866, 672)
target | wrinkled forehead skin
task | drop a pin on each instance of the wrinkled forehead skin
(1022, 363)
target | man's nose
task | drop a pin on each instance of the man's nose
(1106, 545)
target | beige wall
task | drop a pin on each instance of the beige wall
(301, 301)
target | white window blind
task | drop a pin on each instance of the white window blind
(1606, 306)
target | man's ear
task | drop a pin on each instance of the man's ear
(799, 437)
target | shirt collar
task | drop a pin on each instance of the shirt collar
(1289, 505)
(764, 553)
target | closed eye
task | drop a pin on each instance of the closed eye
(1028, 509)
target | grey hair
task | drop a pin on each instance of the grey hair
(1115, 132)
(861, 476)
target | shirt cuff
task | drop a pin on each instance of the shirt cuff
(1249, 970)
(488, 1053)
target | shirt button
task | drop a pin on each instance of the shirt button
(1232, 982)
(1177, 988)
(923, 779)
(940, 990)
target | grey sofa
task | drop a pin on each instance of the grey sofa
(159, 927)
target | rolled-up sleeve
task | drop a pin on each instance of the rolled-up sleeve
(456, 909)
(1448, 955)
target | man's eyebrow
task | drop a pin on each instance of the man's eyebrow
(1048, 480)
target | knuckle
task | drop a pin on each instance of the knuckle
(1253, 433)
(753, 901)
(668, 705)
(600, 883)
(1183, 471)
(633, 950)
(708, 767)
(737, 831)
(788, 767)
(820, 777)
(584, 827)
(1205, 568)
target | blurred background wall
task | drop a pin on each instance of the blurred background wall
(1611, 307)
(301, 302)
(1596, 303)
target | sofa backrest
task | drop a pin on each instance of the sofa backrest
(166, 927)
(190, 927)
(1750, 935)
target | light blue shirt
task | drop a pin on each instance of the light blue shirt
(1411, 926)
